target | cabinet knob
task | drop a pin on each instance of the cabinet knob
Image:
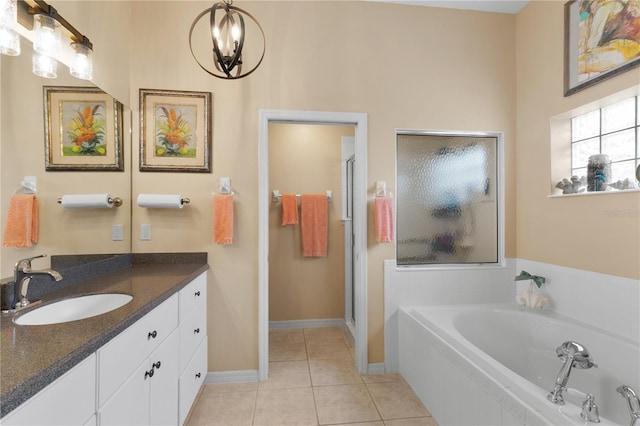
(196, 331)
(152, 335)
(148, 373)
(156, 365)
(197, 293)
(197, 375)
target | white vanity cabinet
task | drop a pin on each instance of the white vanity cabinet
(193, 343)
(69, 400)
(149, 395)
(149, 374)
(138, 371)
(118, 359)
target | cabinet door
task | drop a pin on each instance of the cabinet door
(163, 386)
(130, 404)
(69, 400)
(122, 355)
(192, 330)
(191, 380)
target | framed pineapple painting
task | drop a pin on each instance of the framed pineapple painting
(175, 131)
(83, 129)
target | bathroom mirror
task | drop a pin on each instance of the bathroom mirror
(22, 153)
(448, 198)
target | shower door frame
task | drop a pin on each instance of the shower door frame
(359, 120)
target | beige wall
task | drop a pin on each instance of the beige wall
(405, 66)
(577, 232)
(305, 159)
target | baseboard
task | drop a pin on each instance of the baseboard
(237, 376)
(314, 323)
(244, 376)
(376, 368)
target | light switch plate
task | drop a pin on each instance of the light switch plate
(145, 232)
(117, 233)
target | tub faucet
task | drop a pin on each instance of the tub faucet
(590, 410)
(633, 401)
(572, 354)
(22, 274)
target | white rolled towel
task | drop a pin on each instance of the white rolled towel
(532, 299)
(541, 303)
(523, 297)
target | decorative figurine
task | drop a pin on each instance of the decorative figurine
(623, 184)
(574, 186)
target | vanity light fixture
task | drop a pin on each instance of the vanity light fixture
(228, 32)
(9, 42)
(9, 39)
(8, 13)
(44, 65)
(46, 35)
(48, 27)
(81, 63)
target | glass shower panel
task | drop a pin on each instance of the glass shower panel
(447, 206)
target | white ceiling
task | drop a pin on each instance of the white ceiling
(498, 6)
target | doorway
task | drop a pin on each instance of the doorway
(359, 120)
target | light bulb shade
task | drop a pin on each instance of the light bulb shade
(9, 42)
(46, 35)
(8, 13)
(44, 66)
(81, 63)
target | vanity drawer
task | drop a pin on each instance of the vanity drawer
(193, 297)
(192, 330)
(121, 356)
(191, 380)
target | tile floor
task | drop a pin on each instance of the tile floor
(312, 381)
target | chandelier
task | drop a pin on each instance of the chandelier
(229, 31)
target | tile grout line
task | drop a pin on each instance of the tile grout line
(374, 402)
(255, 405)
(313, 392)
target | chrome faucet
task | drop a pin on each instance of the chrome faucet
(573, 354)
(22, 274)
(590, 410)
(633, 401)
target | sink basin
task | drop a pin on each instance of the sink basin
(72, 309)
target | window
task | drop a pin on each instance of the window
(612, 130)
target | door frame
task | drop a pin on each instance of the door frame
(359, 120)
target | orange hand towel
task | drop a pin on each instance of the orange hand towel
(223, 218)
(384, 219)
(313, 227)
(289, 209)
(21, 229)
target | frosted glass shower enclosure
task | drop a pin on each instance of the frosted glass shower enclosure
(448, 198)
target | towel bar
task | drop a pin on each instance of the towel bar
(276, 196)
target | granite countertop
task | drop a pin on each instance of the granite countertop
(34, 356)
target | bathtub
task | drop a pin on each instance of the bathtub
(495, 364)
